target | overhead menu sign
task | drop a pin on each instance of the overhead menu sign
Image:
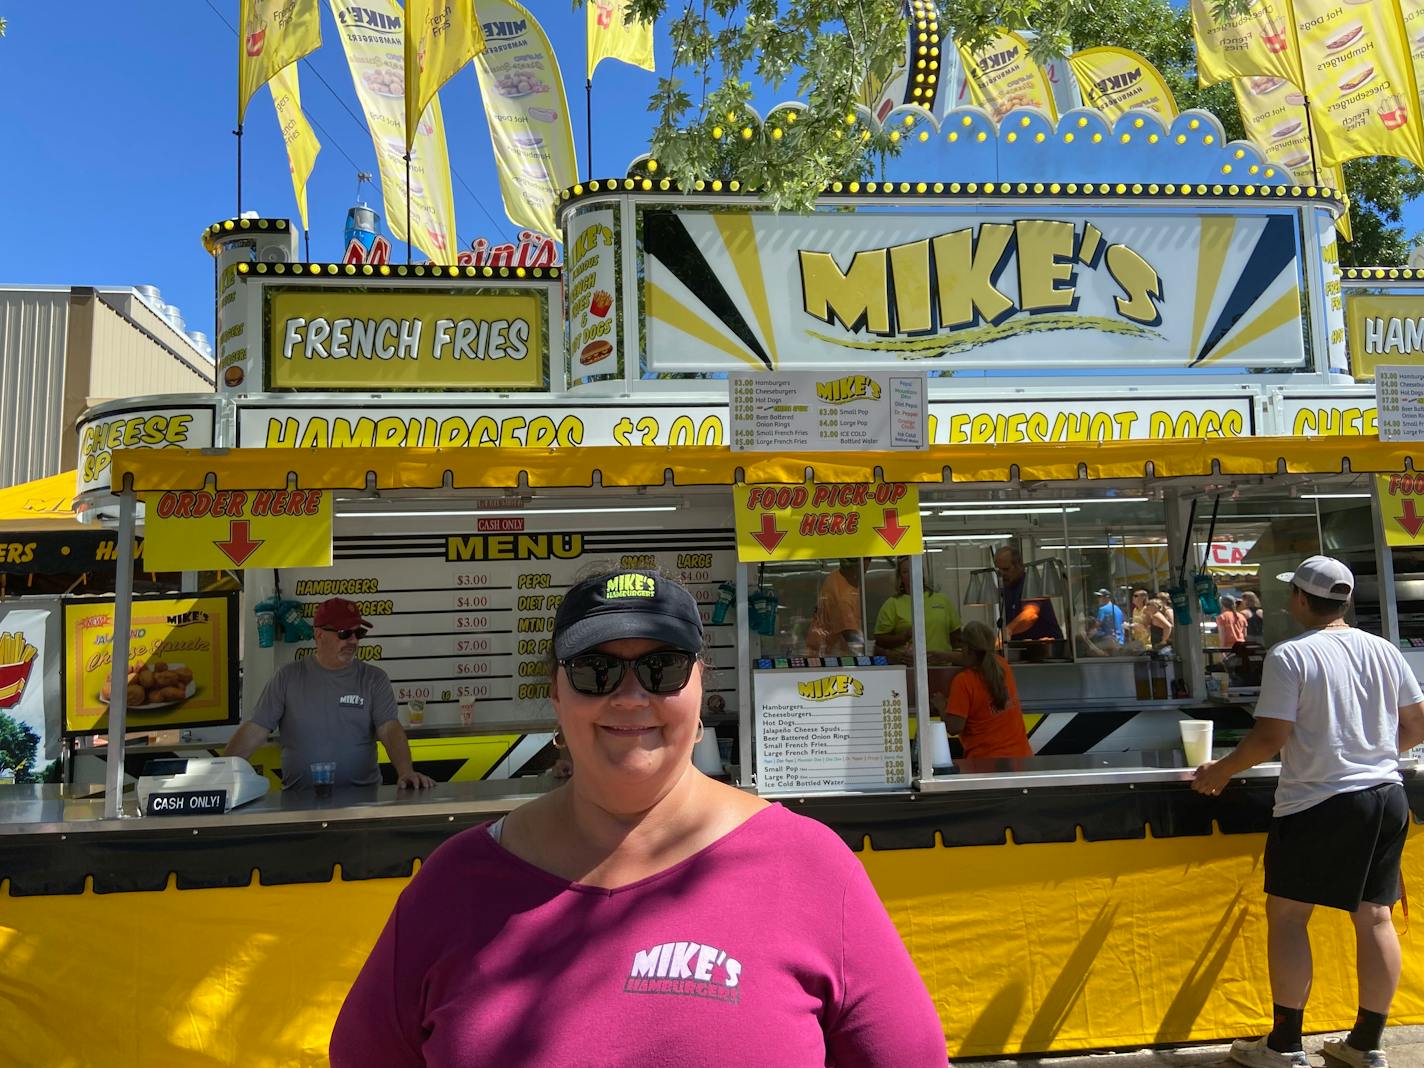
(827, 520)
(816, 410)
(1399, 401)
(834, 728)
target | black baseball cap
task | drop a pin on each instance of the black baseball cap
(626, 604)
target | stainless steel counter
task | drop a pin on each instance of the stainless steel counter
(1088, 769)
(26, 809)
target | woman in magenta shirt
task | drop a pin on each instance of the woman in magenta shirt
(642, 913)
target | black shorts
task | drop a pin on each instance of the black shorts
(1342, 851)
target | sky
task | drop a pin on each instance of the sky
(119, 147)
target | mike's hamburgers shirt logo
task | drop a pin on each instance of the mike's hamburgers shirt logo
(689, 969)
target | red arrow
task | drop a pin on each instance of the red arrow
(768, 536)
(239, 545)
(892, 531)
(1409, 520)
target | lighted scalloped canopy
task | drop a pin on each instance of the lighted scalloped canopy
(966, 145)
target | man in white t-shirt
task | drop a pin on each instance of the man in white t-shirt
(1339, 705)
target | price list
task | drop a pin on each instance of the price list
(464, 623)
(824, 411)
(1399, 403)
(831, 729)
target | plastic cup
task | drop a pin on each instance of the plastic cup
(706, 755)
(467, 713)
(1196, 741)
(417, 712)
(940, 756)
(323, 774)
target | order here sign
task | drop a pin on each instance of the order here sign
(827, 520)
(203, 530)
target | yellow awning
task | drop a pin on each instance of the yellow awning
(44, 504)
(584, 467)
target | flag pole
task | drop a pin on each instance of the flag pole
(1310, 135)
(238, 134)
(407, 205)
(588, 125)
(306, 244)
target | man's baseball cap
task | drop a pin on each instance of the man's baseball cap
(626, 604)
(1104, 592)
(339, 614)
(1322, 576)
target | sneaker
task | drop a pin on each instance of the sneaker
(1342, 1051)
(1254, 1053)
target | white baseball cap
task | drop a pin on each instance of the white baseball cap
(1322, 576)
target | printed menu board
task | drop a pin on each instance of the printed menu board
(465, 622)
(1399, 402)
(831, 728)
(799, 410)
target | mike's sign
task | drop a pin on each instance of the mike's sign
(1022, 290)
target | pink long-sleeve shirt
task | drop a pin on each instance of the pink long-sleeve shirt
(768, 947)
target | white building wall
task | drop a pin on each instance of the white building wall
(33, 336)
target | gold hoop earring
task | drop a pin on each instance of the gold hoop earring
(701, 730)
(559, 739)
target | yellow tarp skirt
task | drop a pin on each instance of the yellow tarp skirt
(1024, 948)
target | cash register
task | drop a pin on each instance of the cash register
(182, 786)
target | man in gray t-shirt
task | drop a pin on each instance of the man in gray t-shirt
(331, 706)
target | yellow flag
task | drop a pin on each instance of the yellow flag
(374, 41)
(272, 35)
(302, 145)
(528, 115)
(1359, 78)
(1002, 77)
(609, 37)
(1115, 80)
(1413, 12)
(441, 36)
(1258, 43)
(1273, 114)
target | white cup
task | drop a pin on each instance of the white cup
(706, 755)
(939, 744)
(1196, 741)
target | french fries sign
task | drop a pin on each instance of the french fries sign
(204, 530)
(827, 520)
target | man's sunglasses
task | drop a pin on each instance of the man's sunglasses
(663, 671)
(349, 632)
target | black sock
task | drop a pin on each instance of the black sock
(1285, 1029)
(1367, 1032)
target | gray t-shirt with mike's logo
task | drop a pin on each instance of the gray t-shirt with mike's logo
(327, 715)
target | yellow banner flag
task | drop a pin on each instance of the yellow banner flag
(1359, 78)
(272, 35)
(1115, 80)
(609, 37)
(1001, 77)
(302, 145)
(441, 37)
(1273, 114)
(1413, 13)
(1259, 42)
(372, 35)
(528, 115)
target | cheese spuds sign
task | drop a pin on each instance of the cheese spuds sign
(349, 339)
(984, 290)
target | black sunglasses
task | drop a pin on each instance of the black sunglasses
(663, 671)
(359, 632)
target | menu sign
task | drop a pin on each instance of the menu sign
(592, 310)
(831, 728)
(1399, 400)
(801, 410)
(464, 622)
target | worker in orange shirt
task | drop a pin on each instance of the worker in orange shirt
(836, 626)
(984, 705)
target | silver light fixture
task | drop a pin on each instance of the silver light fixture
(983, 587)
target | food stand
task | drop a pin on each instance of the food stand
(470, 433)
